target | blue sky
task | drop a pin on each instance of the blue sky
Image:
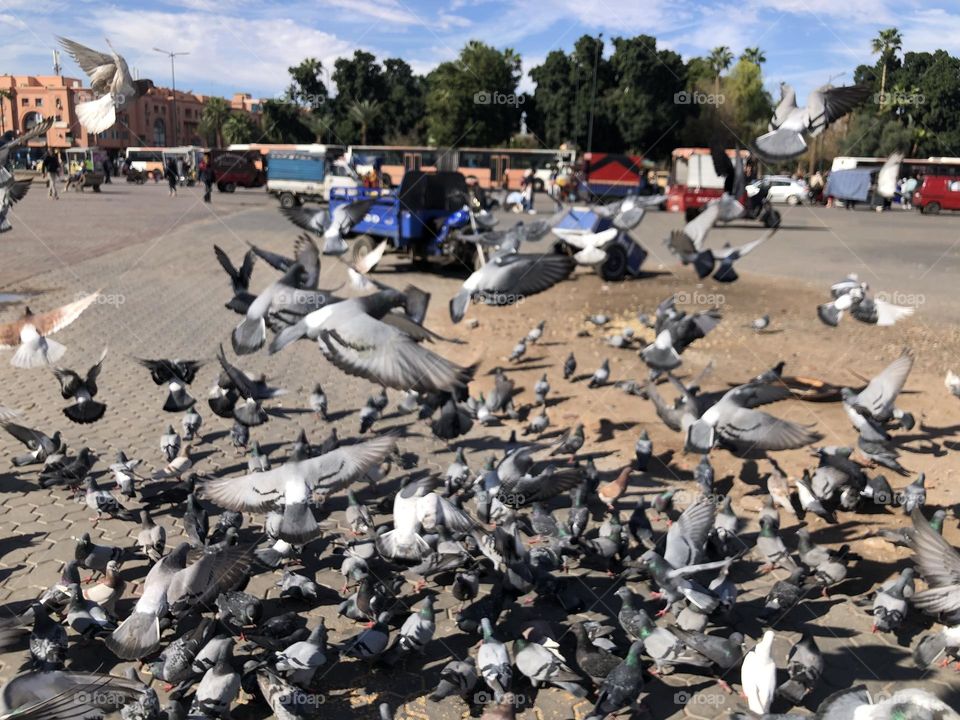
(246, 45)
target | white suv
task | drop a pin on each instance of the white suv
(784, 189)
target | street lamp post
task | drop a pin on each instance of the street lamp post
(173, 83)
(593, 92)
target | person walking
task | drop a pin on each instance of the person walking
(172, 177)
(107, 170)
(206, 177)
(526, 190)
(51, 169)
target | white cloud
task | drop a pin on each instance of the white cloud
(245, 54)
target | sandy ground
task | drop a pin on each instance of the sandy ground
(174, 292)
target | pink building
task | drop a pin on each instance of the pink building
(147, 121)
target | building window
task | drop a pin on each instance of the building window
(59, 104)
(24, 102)
(38, 102)
(159, 132)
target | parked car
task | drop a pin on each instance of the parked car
(233, 169)
(784, 189)
(936, 193)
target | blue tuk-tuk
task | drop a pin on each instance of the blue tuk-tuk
(419, 218)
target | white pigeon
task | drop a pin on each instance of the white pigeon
(109, 77)
(791, 125)
(758, 675)
(888, 175)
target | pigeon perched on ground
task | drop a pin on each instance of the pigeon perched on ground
(759, 675)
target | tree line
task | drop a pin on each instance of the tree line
(630, 96)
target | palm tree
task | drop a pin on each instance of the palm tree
(719, 60)
(754, 55)
(364, 113)
(239, 128)
(919, 135)
(215, 113)
(886, 44)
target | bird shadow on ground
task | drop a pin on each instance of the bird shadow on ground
(608, 428)
(16, 483)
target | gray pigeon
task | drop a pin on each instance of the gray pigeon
(790, 125)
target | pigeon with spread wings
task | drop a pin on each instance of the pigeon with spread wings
(12, 190)
(333, 227)
(30, 334)
(791, 125)
(176, 375)
(239, 279)
(109, 77)
(939, 565)
(82, 390)
(305, 252)
(286, 491)
(508, 277)
(735, 422)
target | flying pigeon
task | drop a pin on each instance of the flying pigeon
(790, 125)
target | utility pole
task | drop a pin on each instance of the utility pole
(173, 84)
(593, 92)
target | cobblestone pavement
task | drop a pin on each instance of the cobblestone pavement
(163, 296)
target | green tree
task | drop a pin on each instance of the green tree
(364, 113)
(719, 60)
(282, 123)
(754, 55)
(555, 98)
(642, 98)
(215, 112)
(240, 128)
(308, 88)
(747, 104)
(404, 106)
(473, 100)
(886, 44)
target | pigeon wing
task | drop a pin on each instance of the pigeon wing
(762, 431)
(884, 388)
(939, 563)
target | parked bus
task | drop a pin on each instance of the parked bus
(910, 167)
(491, 167)
(145, 159)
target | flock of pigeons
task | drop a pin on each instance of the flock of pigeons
(487, 531)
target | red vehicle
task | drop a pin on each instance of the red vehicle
(936, 193)
(237, 168)
(694, 181)
(612, 176)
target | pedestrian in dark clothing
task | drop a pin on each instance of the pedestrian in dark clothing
(51, 169)
(206, 177)
(106, 171)
(170, 173)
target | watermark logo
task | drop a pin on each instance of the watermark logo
(898, 98)
(903, 299)
(695, 97)
(488, 698)
(683, 697)
(499, 299)
(116, 299)
(697, 297)
(300, 699)
(493, 97)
